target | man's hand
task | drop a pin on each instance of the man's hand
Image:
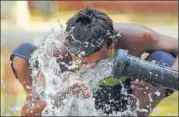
(33, 107)
(80, 87)
(146, 96)
(75, 85)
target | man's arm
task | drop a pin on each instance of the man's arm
(168, 44)
(20, 67)
(33, 107)
(135, 38)
(139, 39)
(23, 71)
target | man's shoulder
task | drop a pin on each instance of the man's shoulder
(124, 26)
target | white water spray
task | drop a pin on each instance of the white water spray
(54, 83)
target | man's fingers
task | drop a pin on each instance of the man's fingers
(85, 86)
(135, 81)
(137, 88)
(75, 83)
(80, 86)
(38, 114)
(76, 89)
(88, 94)
(37, 107)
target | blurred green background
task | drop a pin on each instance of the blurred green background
(30, 21)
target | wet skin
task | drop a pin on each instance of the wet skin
(136, 39)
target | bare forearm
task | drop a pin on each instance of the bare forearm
(23, 71)
(172, 43)
(172, 47)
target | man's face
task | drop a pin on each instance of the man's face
(103, 53)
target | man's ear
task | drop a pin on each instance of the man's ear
(112, 46)
(111, 49)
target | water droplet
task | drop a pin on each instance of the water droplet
(157, 93)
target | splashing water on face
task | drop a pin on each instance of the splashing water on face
(54, 83)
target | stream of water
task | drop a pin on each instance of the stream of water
(71, 104)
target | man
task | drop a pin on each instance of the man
(94, 39)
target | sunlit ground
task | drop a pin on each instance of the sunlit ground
(12, 94)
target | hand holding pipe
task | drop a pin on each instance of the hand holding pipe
(127, 65)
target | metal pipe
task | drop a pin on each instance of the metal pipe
(135, 68)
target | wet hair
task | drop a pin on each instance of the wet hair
(91, 30)
(112, 99)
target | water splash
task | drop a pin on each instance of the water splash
(54, 83)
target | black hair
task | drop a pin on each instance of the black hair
(91, 30)
(112, 99)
